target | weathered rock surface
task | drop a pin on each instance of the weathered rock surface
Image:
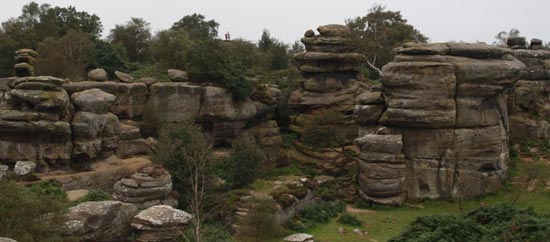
(24, 168)
(3, 171)
(160, 223)
(148, 187)
(107, 221)
(130, 97)
(24, 62)
(93, 100)
(299, 238)
(124, 77)
(446, 123)
(177, 75)
(34, 116)
(98, 75)
(7, 240)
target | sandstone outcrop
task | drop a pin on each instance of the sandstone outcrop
(95, 130)
(529, 103)
(148, 187)
(34, 121)
(160, 223)
(124, 77)
(330, 85)
(106, 221)
(98, 75)
(444, 123)
(24, 62)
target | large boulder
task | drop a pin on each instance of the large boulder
(124, 77)
(106, 221)
(160, 223)
(177, 75)
(130, 97)
(93, 100)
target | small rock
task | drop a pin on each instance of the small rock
(298, 238)
(323, 178)
(124, 77)
(98, 74)
(358, 232)
(177, 75)
(341, 231)
(3, 171)
(309, 33)
(24, 168)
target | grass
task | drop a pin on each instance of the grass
(383, 224)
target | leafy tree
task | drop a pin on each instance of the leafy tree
(297, 47)
(171, 47)
(379, 32)
(503, 36)
(186, 152)
(279, 56)
(246, 53)
(241, 167)
(109, 57)
(38, 22)
(135, 36)
(260, 223)
(67, 56)
(197, 27)
(265, 41)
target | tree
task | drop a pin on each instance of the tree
(170, 48)
(67, 56)
(38, 22)
(279, 56)
(241, 167)
(135, 36)
(503, 36)
(297, 47)
(265, 41)
(109, 57)
(379, 32)
(185, 151)
(197, 27)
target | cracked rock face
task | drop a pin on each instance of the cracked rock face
(148, 187)
(445, 123)
(160, 223)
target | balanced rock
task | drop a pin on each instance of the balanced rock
(107, 221)
(536, 44)
(516, 42)
(124, 77)
(24, 62)
(309, 33)
(160, 223)
(99, 75)
(148, 187)
(177, 75)
(148, 80)
(93, 100)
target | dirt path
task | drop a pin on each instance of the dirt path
(351, 209)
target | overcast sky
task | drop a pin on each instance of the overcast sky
(440, 20)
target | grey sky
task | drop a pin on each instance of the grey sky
(440, 20)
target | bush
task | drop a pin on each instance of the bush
(349, 219)
(501, 222)
(242, 166)
(48, 188)
(93, 196)
(321, 212)
(31, 214)
(260, 223)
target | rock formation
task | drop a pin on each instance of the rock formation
(98, 75)
(34, 121)
(331, 83)
(24, 62)
(160, 224)
(95, 130)
(148, 187)
(106, 221)
(444, 126)
(529, 103)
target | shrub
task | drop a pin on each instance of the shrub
(260, 223)
(31, 214)
(322, 212)
(93, 196)
(349, 219)
(48, 188)
(241, 167)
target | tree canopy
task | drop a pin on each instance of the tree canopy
(197, 27)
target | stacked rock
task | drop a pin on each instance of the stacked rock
(148, 187)
(536, 44)
(95, 130)
(34, 121)
(445, 124)
(24, 62)
(530, 101)
(98, 75)
(516, 42)
(331, 83)
(131, 144)
(160, 224)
